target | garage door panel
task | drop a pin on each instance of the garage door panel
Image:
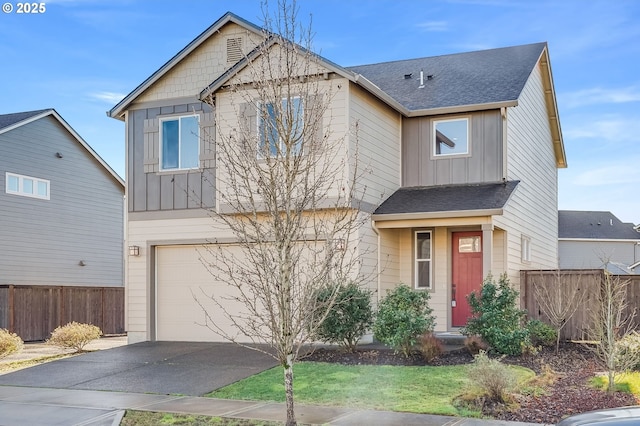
(180, 275)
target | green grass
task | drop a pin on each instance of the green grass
(392, 388)
(627, 382)
(149, 418)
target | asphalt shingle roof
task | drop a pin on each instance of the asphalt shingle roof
(481, 77)
(7, 120)
(431, 199)
(596, 225)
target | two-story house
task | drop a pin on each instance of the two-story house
(596, 240)
(462, 154)
(62, 214)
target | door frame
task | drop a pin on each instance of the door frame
(452, 252)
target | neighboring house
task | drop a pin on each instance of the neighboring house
(463, 152)
(61, 206)
(595, 240)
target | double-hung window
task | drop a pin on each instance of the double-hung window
(281, 127)
(451, 137)
(423, 260)
(27, 186)
(179, 142)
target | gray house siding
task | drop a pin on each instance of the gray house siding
(42, 242)
(151, 189)
(584, 254)
(484, 164)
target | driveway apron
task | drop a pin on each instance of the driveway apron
(182, 368)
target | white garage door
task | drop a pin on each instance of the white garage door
(179, 276)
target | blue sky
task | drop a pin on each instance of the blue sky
(82, 56)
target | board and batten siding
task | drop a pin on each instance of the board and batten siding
(43, 241)
(484, 164)
(151, 189)
(532, 210)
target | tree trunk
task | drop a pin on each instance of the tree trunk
(288, 388)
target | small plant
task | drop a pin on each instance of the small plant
(629, 351)
(541, 334)
(474, 344)
(496, 318)
(430, 347)
(403, 316)
(492, 377)
(10, 343)
(74, 336)
(348, 317)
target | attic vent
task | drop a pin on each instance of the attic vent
(234, 50)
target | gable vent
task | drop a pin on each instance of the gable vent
(234, 50)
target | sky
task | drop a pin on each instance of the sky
(83, 56)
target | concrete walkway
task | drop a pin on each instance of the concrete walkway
(33, 404)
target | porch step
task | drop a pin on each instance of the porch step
(451, 338)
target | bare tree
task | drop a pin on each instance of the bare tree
(612, 319)
(287, 194)
(559, 298)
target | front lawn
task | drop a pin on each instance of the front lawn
(423, 389)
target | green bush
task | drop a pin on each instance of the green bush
(10, 343)
(430, 346)
(496, 318)
(492, 377)
(403, 316)
(74, 336)
(349, 316)
(628, 349)
(541, 334)
(474, 344)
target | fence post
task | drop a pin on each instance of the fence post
(12, 320)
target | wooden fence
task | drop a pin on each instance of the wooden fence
(587, 282)
(33, 312)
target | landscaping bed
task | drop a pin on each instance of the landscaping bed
(570, 392)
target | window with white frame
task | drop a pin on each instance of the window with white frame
(525, 242)
(451, 137)
(27, 186)
(179, 142)
(281, 127)
(423, 260)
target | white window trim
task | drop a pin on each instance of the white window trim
(173, 118)
(416, 260)
(259, 122)
(20, 190)
(433, 138)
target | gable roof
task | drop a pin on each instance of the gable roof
(488, 77)
(12, 121)
(466, 200)
(118, 110)
(596, 225)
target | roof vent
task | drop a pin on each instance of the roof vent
(408, 76)
(421, 80)
(234, 50)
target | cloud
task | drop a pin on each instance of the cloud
(611, 128)
(109, 97)
(600, 95)
(433, 26)
(614, 174)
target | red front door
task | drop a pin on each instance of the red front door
(466, 274)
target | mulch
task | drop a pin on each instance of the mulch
(570, 392)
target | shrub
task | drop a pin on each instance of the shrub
(496, 318)
(541, 333)
(74, 336)
(492, 377)
(348, 317)
(10, 343)
(628, 348)
(475, 344)
(430, 346)
(403, 315)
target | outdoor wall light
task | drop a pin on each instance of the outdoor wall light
(82, 263)
(59, 154)
(134, 251)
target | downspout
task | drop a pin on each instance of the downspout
(503, 113)
(378, 270)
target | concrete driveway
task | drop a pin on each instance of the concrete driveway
(149, 367)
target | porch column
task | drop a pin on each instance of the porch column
(487, 249)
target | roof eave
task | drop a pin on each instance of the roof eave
(552, 109)
(117, 111)
(437, 215)
(601, 240)
(463, 108)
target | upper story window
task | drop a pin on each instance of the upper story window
(27, 186)
(451, 137)
(423, 260)
(281, 127)
(179, 142)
